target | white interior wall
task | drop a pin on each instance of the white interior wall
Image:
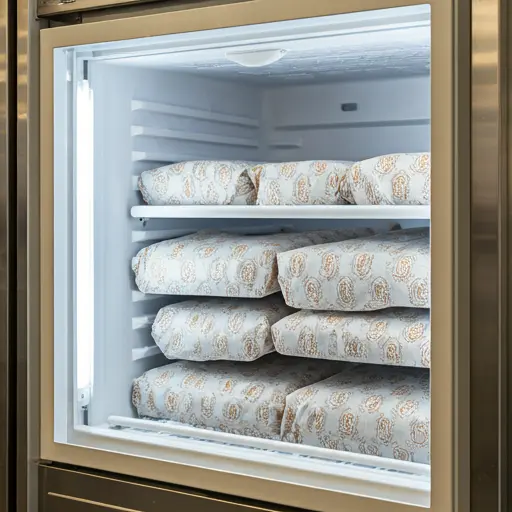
(126, 143)
(146, 118)
(393, 115)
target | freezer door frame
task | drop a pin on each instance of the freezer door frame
(52, 8)
(450, 254)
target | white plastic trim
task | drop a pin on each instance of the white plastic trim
(145, 131)
(359, 475)
(399, 121)
(62, 240)
(160, 234)
(283, 212)
(143, 297)
(269, 444)
(194, 113)
(145, 156)
(143, 322)
(144, 352)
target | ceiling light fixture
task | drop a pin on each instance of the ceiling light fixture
(256, 58)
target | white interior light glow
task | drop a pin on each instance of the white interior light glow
(84, 238)
(256, 58)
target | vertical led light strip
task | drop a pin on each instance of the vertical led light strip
(84, 196)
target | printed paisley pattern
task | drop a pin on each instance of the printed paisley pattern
(301, 183)
(397, 179)
(394, 336)
(364, 274)
(375, 410)
(241, 398)
(222, 264)
(218, 329)
(199, 183)
(391, 179)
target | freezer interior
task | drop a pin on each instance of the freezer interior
(343, 88)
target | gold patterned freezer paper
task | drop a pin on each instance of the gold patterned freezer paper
(363, 274)
(198, 183)
(375, 410)
(301, 183)
(400, 179)
(246, 398)
(222, 264)
(394, 336)
(218, 329)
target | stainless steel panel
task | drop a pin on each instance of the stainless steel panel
(56, 8)
(59, 503)
(132, 10)
(508, 483)
(21, 256)
(488, 257)
(7, 260)
(27, 255)
(64, 489)
(462, 184)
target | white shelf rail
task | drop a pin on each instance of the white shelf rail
(369, 212)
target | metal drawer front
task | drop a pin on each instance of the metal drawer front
(73, 490)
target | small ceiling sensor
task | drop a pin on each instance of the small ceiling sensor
(256, 58)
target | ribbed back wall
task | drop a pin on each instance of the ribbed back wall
(317, 121)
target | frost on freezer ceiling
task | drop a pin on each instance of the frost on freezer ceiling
(363, 55)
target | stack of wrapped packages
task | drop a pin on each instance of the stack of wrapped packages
(315, 337)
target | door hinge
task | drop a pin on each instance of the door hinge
(85, 70)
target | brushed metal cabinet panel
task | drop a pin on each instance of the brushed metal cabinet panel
(488, 257)
(75, 490)
(56, 9)
(27, 254)
(7, 258)
(68, 504)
